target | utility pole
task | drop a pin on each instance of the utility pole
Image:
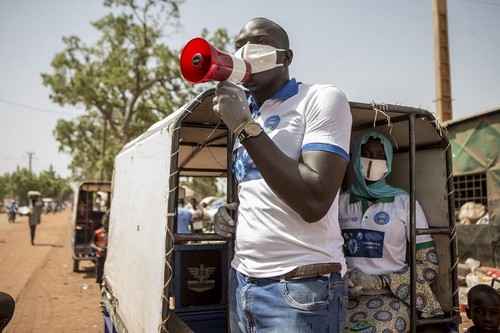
(442, 61)
(103, 155)
(30, 157)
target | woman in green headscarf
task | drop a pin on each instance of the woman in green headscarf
(375, 222)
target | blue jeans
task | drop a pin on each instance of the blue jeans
(312, 305)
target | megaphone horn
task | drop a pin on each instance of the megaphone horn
(202, 62)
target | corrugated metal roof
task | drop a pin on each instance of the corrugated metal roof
(451, 123)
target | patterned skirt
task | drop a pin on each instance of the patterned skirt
(378, 314)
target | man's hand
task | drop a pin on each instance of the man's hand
(230, 104)
(354, 291)
(359, 282)
(224, 225)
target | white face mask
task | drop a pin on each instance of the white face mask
(373, 170)
(260, 57)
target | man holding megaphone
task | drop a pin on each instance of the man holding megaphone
(292, 151)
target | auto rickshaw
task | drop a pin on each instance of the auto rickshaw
(158, 280)
(91, 201)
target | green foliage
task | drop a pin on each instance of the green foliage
(202, 186)
(220, 39)
(84, 138)
(3, 188)
(17, 184)
(126, 82)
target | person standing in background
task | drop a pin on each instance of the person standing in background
(197, 216)
(12, 211)
(35, 216)
(184, 218)
(100, 244)
(483, 308)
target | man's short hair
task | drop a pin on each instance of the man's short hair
(7, 306)
(482, 289)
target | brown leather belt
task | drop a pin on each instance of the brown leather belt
(308, 271)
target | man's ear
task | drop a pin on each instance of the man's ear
(468, 312)
(287, 57)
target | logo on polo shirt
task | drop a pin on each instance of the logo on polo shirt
(271, 123)
(381, 218)
(244, 169)
(363, 243)
(348, 219)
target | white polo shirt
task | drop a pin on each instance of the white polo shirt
(272, 239)
(375, 241)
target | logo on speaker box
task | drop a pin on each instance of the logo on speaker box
(201, 274)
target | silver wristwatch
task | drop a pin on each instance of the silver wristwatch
(250, 130)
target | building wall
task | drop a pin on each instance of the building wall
(476, 148)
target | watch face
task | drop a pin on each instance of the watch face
(253, 129)
(250, 130)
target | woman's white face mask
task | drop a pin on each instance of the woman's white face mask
(373, 170)
(260, 57)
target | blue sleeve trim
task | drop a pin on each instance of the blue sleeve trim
(326, 147)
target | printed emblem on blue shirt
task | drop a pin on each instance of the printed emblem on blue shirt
(271, 123)
(363, 243)
(244, 169)
(381, 218)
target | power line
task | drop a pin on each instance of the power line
(484, 2)
(10, 158)
(35, 108)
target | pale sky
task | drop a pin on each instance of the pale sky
(373, 50)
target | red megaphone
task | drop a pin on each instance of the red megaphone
(202, 62)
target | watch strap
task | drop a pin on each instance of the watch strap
(245, 133)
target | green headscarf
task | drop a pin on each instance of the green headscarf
(378, 189)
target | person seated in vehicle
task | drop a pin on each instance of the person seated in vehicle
(375, 222)
(83, 207)
(12, 211)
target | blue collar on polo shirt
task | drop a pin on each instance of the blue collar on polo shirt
(291, 88)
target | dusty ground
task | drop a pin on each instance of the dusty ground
(49, 296)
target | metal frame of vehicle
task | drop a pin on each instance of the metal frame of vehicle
(199, 146)
(423, 158)
(86, 220)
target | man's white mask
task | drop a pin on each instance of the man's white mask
(373, 170)
(260, 57)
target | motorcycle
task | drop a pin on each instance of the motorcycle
(12, 217)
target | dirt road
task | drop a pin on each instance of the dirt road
(49, 296)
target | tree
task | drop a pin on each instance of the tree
(126, 82)
(17, 184)
(202, 186)
(53, 186)
(20, 182)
